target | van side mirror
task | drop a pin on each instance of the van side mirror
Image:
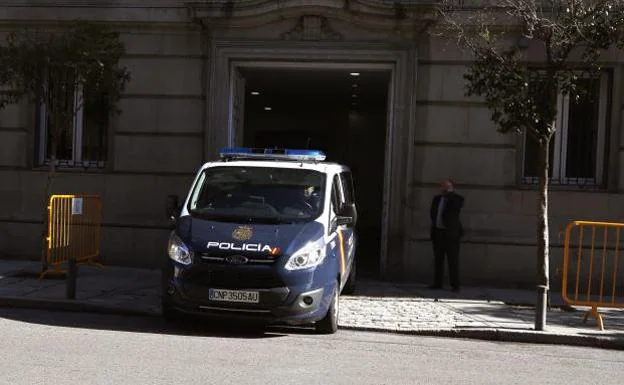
(349, 213)
(347, 216)
(340, 221)
(172, 207)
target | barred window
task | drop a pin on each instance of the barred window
(83, 142)
(578, 148)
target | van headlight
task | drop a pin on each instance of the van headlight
(178, 251)
(306, 257)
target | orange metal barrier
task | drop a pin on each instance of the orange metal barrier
(73, 230)
(592, 273)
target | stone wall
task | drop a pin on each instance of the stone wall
(156, 143)
(160, 140)
(456, 139)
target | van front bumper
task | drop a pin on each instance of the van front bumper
(294, 305)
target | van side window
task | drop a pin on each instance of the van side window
(335, 197)
(347, 187)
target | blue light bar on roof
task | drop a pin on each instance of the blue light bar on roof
(270, 153)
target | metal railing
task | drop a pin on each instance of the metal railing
(592, 267)
(74, 223)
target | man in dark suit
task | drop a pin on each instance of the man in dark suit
(446, 231)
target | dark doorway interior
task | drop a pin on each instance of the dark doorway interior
(341, 112)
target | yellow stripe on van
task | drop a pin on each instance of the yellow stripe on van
(342, 253)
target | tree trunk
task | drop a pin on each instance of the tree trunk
(46, 211)
(52, 101)
(542, 237)
(48, 192)
(56, 99)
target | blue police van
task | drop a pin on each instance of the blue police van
(265, 235)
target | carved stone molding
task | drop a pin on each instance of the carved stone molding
(312, 28)
(378, 15)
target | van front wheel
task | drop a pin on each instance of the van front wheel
(329, 324)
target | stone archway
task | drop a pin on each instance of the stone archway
(322, 34)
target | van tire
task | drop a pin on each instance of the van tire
(349, 287)
(329, 324)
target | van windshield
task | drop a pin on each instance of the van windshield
(258, 194)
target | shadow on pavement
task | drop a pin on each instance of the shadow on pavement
(388, 289)
(153, 325)
(513, 317)
(376, 288)
(507, 296)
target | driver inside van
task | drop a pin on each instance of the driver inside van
(311, 197)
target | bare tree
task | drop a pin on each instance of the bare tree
(571, 35)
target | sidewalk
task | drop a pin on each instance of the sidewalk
(482, 313)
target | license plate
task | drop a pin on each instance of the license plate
(234, 296)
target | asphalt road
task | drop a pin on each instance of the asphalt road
(40, 347)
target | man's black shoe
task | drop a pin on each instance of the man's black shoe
(455, 289)
(435, 287)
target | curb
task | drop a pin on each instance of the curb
(73, 306)
(498, 335)
(506, 335)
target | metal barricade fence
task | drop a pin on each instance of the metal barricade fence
(74, 223)
(592, 267)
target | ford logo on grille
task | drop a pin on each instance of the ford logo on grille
(236, 259)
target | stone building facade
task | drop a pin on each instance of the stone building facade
(180, 108)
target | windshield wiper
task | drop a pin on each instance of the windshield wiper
(199, 213)
(267, 220)
(232, 218)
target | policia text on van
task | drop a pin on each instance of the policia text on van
(266, 235)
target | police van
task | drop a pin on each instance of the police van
(265, 235)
